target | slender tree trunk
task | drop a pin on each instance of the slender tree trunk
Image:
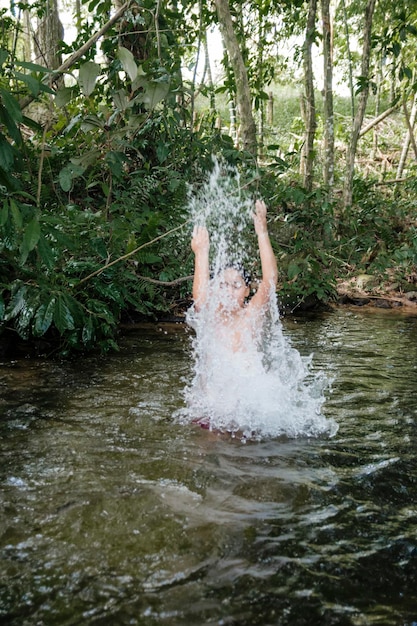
(207, 70)
(243, 96)
(259, 80)
(407, 140)
(363, 98)
(349, 55)
(375, 137)
(328, 165)
(27, 40)
(307, 156)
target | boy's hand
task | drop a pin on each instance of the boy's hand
(259, 217)
(200, 239)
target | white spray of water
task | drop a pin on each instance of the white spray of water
(266, 389)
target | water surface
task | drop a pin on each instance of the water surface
(111, 512)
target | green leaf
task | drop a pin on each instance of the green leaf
(128, 62)
(46, 253)
(30, 238)
(91, 121)
(6, 154)
(63, 96)
(34, 67)
(293, 270)
(32, 234)
(154, 92)
(11, 125)
(62, 316)
(162, 151)
(115, 160)
(67, 175)
(4, 215)
(3, 56)
(85, 160)
(88, 333)
(43, 318)
(34, 85)
(17, 302)
(11, 105)
(17, 216)
(87, 77)
(121, 100)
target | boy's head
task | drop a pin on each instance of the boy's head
(234, 284)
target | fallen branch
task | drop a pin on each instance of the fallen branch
(392, 182)
(379, 119)
(166, 283)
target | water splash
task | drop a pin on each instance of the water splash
(266, 389)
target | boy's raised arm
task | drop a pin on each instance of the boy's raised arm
(268, 283)
(200, 244)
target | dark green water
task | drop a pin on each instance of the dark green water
(111, 513)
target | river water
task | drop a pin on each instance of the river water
(113, 513)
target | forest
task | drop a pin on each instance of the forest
(108, 125)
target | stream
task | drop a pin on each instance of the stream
(114, 513)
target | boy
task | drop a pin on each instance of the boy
(235, 318)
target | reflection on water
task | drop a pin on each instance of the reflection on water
(113, 513)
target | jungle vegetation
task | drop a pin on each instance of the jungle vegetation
(104, 129)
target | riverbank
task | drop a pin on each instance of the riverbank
(352, 293)
(362, 292)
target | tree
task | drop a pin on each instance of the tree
(328, 164)
(48, 36)
(363, 89)
(243, 95)
(309, 106)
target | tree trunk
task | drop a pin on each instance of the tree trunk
(259, 82)
(309, 106)
(350, 64)
(375, 138)
(328, 165)
(407, 140)
(243, 96)
(363, 98)
(47, 37)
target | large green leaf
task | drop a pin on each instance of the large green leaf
(4, 213)
(63, 96)
(30, 238)
(68, 174)
(154, 92)
(87, 77)
(34, 85)
(34, 67)
(16, 214)
(62, 316)
(3, 56)
(121, 100)
(17, 301)
(46, 253)
(128, 62)
(6, 154)
(43, 318)
(11, 105)
(12, 126)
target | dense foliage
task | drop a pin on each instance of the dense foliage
(93, 226)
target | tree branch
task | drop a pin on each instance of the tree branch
(379, 119)
(55, 75)
(129, 254)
